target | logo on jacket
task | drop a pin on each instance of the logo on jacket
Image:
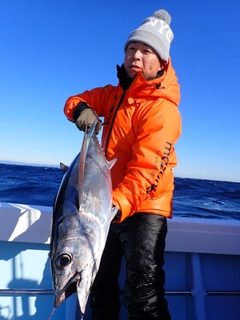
(164, 163)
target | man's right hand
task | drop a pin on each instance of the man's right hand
(86, 118)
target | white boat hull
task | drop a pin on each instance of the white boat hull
(202, 265)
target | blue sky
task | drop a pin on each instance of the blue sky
(52, 49)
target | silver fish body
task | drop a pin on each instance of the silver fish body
(80, 223)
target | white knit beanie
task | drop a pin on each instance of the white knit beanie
(154, 32)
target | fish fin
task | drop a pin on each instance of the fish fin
(83, 289)
(114, 212)
(112, 162)
(63, 167)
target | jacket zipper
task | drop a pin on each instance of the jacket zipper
(113, 118)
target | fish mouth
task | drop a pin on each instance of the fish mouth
(67, 291)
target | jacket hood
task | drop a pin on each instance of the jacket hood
(166, 87)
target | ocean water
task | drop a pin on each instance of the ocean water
(34, 185)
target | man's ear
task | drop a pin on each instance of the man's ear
(162, 64)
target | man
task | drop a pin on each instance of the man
(141, 125)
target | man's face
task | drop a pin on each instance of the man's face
(139, 56)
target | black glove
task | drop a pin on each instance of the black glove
(85, 116)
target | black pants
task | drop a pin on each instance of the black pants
(141, 238)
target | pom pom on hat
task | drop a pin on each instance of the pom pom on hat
(163, 15)
(155, 32)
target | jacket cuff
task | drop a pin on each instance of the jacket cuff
(79, 109)
(122, 203)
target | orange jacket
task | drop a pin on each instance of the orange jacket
(141, 128)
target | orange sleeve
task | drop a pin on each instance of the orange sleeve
(95, 98)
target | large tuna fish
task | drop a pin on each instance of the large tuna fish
(81, 218)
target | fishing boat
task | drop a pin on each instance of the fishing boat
(202, 265)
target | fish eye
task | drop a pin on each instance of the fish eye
(63, 261)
